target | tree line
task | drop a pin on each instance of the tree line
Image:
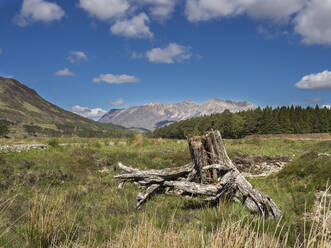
(280, 120)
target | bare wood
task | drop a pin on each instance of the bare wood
(211, 174)
(219, 167)
(199, 157)
(142, 198)
(226, 172)
(217, 149)
(168, 173)
(125, 168)
(151, 180)
(193, 188)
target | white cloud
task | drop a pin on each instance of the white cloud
(160, 8)
(115, 79)
(314, 22)
(170, 54)
(326, 106)
(105, 9)
(277, 10)
(118, 102)
(38, 10)
(114, 9)
(88, 113)
(134, 28)
(311, 18)
(76, 56)
(64, 72)
(280, 10)
(318, 81)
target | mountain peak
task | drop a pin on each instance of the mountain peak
(215, 100)
(188, 102)
(156, 114)
(153, 104)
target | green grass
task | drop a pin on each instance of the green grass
(69, 186)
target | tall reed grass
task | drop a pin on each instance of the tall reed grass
(51, 222)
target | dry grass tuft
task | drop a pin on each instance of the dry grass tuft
(320, 231)
(138, 140)
(233, 235)
(51, 222)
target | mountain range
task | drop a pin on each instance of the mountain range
(29, 114)
(156, 114)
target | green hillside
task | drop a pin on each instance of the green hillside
(29, 114)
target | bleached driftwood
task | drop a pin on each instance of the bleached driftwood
(211, 174)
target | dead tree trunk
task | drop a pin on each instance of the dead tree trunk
(212, 174)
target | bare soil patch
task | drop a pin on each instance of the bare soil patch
(259, 166)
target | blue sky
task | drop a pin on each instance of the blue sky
(93, 55)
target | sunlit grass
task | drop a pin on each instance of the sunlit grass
(39, 189)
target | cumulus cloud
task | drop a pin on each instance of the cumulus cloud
(160, 8)
(134, 28)
(318, 81)
(114, 9)
(314, 22)
(95, 113)
(64, 72)
(38, 10)
(76, 56)
(118, 102)
(170, 54)
(105, 9)
(280, 10)
(311, 18)
(115, 79)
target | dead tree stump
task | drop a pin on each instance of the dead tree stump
(211, 174)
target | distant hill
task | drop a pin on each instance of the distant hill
(154, 115)
(29, 114)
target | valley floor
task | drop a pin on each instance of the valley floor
(66, 196)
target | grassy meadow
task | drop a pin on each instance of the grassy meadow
(66, 196)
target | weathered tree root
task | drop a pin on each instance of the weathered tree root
(211, 174)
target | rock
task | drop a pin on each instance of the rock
(105, 170)
(22, 147)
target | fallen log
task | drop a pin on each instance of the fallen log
(142, 198)
(210, 174)
(168, 173)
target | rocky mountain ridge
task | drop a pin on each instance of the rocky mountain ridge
(156, 114)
